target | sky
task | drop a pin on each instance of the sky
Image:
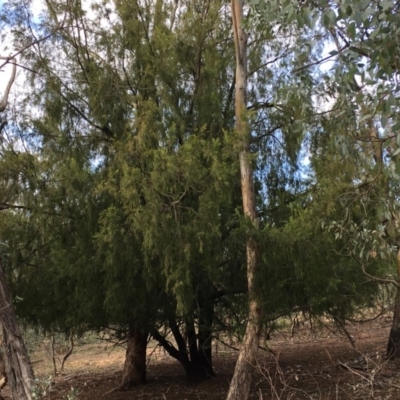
(36, 6)
(6, 49)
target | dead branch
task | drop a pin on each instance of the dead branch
(69, 352)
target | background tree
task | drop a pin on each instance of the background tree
(363, 80)
(17, 362)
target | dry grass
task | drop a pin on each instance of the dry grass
(317, 364)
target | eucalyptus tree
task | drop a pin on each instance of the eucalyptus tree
(363, 78)
(241, 380)
(279, 111)
(320, 268)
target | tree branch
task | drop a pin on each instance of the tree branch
(13, 61)
(258, 106)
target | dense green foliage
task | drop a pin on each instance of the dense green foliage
(120, 188)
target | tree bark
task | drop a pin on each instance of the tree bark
(13, 62)
(195, 355)
(134, 372)
(200, 349)
(18, 365)
(393, 347)
(3, 375)
(242, 378)
(205, 331)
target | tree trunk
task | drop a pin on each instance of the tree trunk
(134, 373)
(195, 354)
(3, 375)
(18, 366)
(200, 364)
(393, 347)
(180, 353)
(206, 319)
(242, 378)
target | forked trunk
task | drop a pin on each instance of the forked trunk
(18, 366)
(134, 373)
(393, 347)
(242, 378)
(194, 350)
(200, 366)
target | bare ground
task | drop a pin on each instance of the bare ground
(313, 364)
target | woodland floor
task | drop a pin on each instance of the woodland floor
(313, 364)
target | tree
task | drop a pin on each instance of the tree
(17, 362)
(134, 133)
(363, 79)
(241, 381)
(163, 165)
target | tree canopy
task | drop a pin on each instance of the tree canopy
(120, 191)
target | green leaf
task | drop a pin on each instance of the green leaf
(391, 100)
(398, 139)
(386, 4)
(365, 117)
(358, 18)
(326, 20)
(396, 127)
(376, 32)
(300, 21)
(332, 16)
(351, 30)
(306, 16)
(387, 143)
(291, 15)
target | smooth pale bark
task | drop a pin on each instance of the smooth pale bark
(13, 62)
(242, 378)
(18, 365)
